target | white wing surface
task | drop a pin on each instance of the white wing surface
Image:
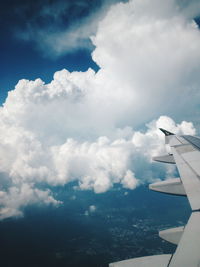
(185, 153)
(156, 261)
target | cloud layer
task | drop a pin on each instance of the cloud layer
(83, 126)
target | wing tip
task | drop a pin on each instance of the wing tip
(166, 133)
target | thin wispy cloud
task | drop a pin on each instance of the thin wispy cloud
(62, 27)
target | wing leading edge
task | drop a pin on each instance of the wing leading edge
(186, 155)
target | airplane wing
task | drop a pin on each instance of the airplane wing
(185, 153)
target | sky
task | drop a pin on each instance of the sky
(85, 85)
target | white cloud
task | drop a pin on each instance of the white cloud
(92, 208)
(129, 181)
(17, 197)
(86, 213)
(149, 53)
(83, 125)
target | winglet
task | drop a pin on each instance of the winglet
(166, 133)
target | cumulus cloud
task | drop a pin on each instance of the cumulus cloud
(92, 208)
(148, 51)
(20, 196)
(84, 127)
(129, 181)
